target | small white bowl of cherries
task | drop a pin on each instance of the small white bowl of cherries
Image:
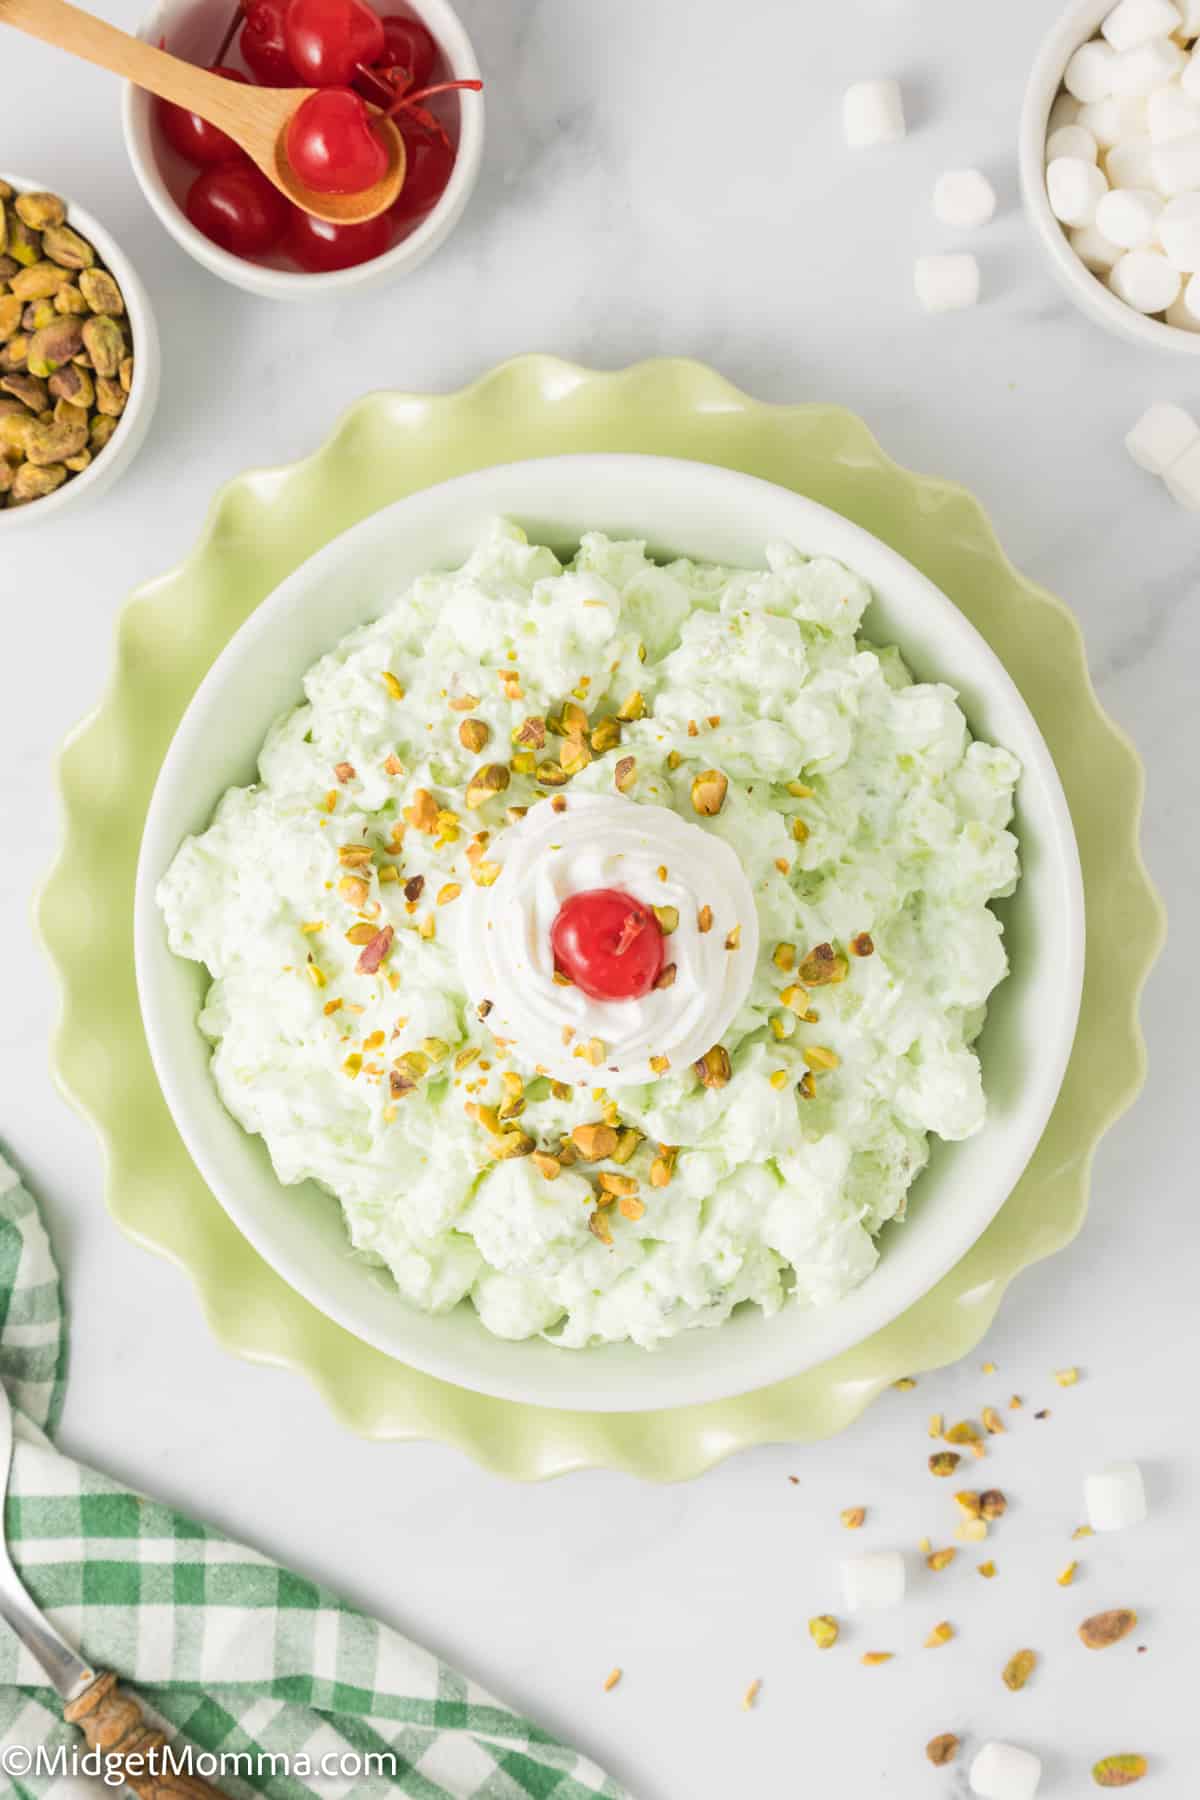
(416, 66)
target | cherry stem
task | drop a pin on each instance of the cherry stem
(440, 87)
(381, 83)
(230, 33)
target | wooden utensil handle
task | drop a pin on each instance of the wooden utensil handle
(81, 33)
(112, 1721)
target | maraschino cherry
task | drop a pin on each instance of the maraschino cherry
(332, 145)
(609, 944)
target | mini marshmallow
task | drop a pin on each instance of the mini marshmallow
(1139, 72)
(873, 1581)
(1159, 439)
(965, 199)
(1130, 164)
(1179, 232)
(1129, 216)
(1075, 189)
(1176, 166)
(1181, 316)
(1135, 22)
(1111, 121)
(1170, 115)
(1005, 1772)
(1094, 250)
(946, 283)
(1145, 280)
(1088, 75)
(873, 113)
(1183, 484)
(1116, 1497)
(1072, 140)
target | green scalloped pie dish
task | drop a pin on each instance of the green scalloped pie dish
(262, 526)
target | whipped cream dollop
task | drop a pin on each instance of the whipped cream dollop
(574, 844)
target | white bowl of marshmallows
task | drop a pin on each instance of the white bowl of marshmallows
(1110, 164)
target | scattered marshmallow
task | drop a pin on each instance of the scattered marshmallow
(1088, 75)
(1179, 232)
(873, 1581)
(1129, 217)
(873, 113)
(965, 199)
(1135, 22)
(1170, 115)
(1176, 166)
(1138, 72)
(1130, 164)
(1072, 140)
(1116, 1498)
(1095, 251)
(1145, 280)
(1183, 484)
(1110, 121)
(1075, 188)
(1005, 1772)
(946, 283)
(1159, 439)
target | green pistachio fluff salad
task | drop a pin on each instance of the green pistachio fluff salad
(818, 834)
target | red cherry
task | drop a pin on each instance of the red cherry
(327, 40)
(430, 161)
(263, 44)
(238, 209)
(319, 246)
(331, 144)
(608, 943)
(408, 45)
(193, 137)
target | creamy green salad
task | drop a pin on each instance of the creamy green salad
(485, 746)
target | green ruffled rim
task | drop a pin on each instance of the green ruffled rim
(260, 527)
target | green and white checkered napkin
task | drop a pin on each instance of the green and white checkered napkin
(232, 1652)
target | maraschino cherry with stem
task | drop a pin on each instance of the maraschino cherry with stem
(328, 41)
(332, 143)
(608, 944)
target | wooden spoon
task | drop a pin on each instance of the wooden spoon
(256, 118)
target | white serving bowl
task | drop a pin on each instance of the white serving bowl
(677, 507)
(1080, 21)
(192, 29)
(130, 434)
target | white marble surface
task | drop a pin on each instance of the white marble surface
(669, 177)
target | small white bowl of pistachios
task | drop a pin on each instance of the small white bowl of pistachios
(79, 356)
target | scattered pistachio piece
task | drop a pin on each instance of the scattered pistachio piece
(1066, 1575)
(941, 1634)
(1107, 1628)
(873, 1659)
(823, 1630)
(943, 1462)
(1018, 1669)
(1118, 1771)
(854, 1517)
(611, 1680)
(942, 1749)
